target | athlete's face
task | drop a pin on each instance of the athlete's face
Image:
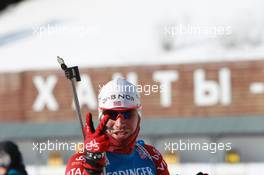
(121, 124)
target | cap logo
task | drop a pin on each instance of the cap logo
(118, 97)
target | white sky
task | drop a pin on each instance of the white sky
(118, 32)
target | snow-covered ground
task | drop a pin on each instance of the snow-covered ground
(140, 32)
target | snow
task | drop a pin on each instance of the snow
(118, 32)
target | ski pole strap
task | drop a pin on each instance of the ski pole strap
(72, 72)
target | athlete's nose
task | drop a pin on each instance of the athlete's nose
(120, 119)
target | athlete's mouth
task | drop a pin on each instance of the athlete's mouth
(122, 132)
(118, 132)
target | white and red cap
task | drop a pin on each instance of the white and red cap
(119, 94)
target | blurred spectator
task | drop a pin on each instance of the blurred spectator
(5, 3)
(11, 161)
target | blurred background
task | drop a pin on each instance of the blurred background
(199, 63)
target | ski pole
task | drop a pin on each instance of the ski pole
(73, 74)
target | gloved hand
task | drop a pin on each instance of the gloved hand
(96, 143)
